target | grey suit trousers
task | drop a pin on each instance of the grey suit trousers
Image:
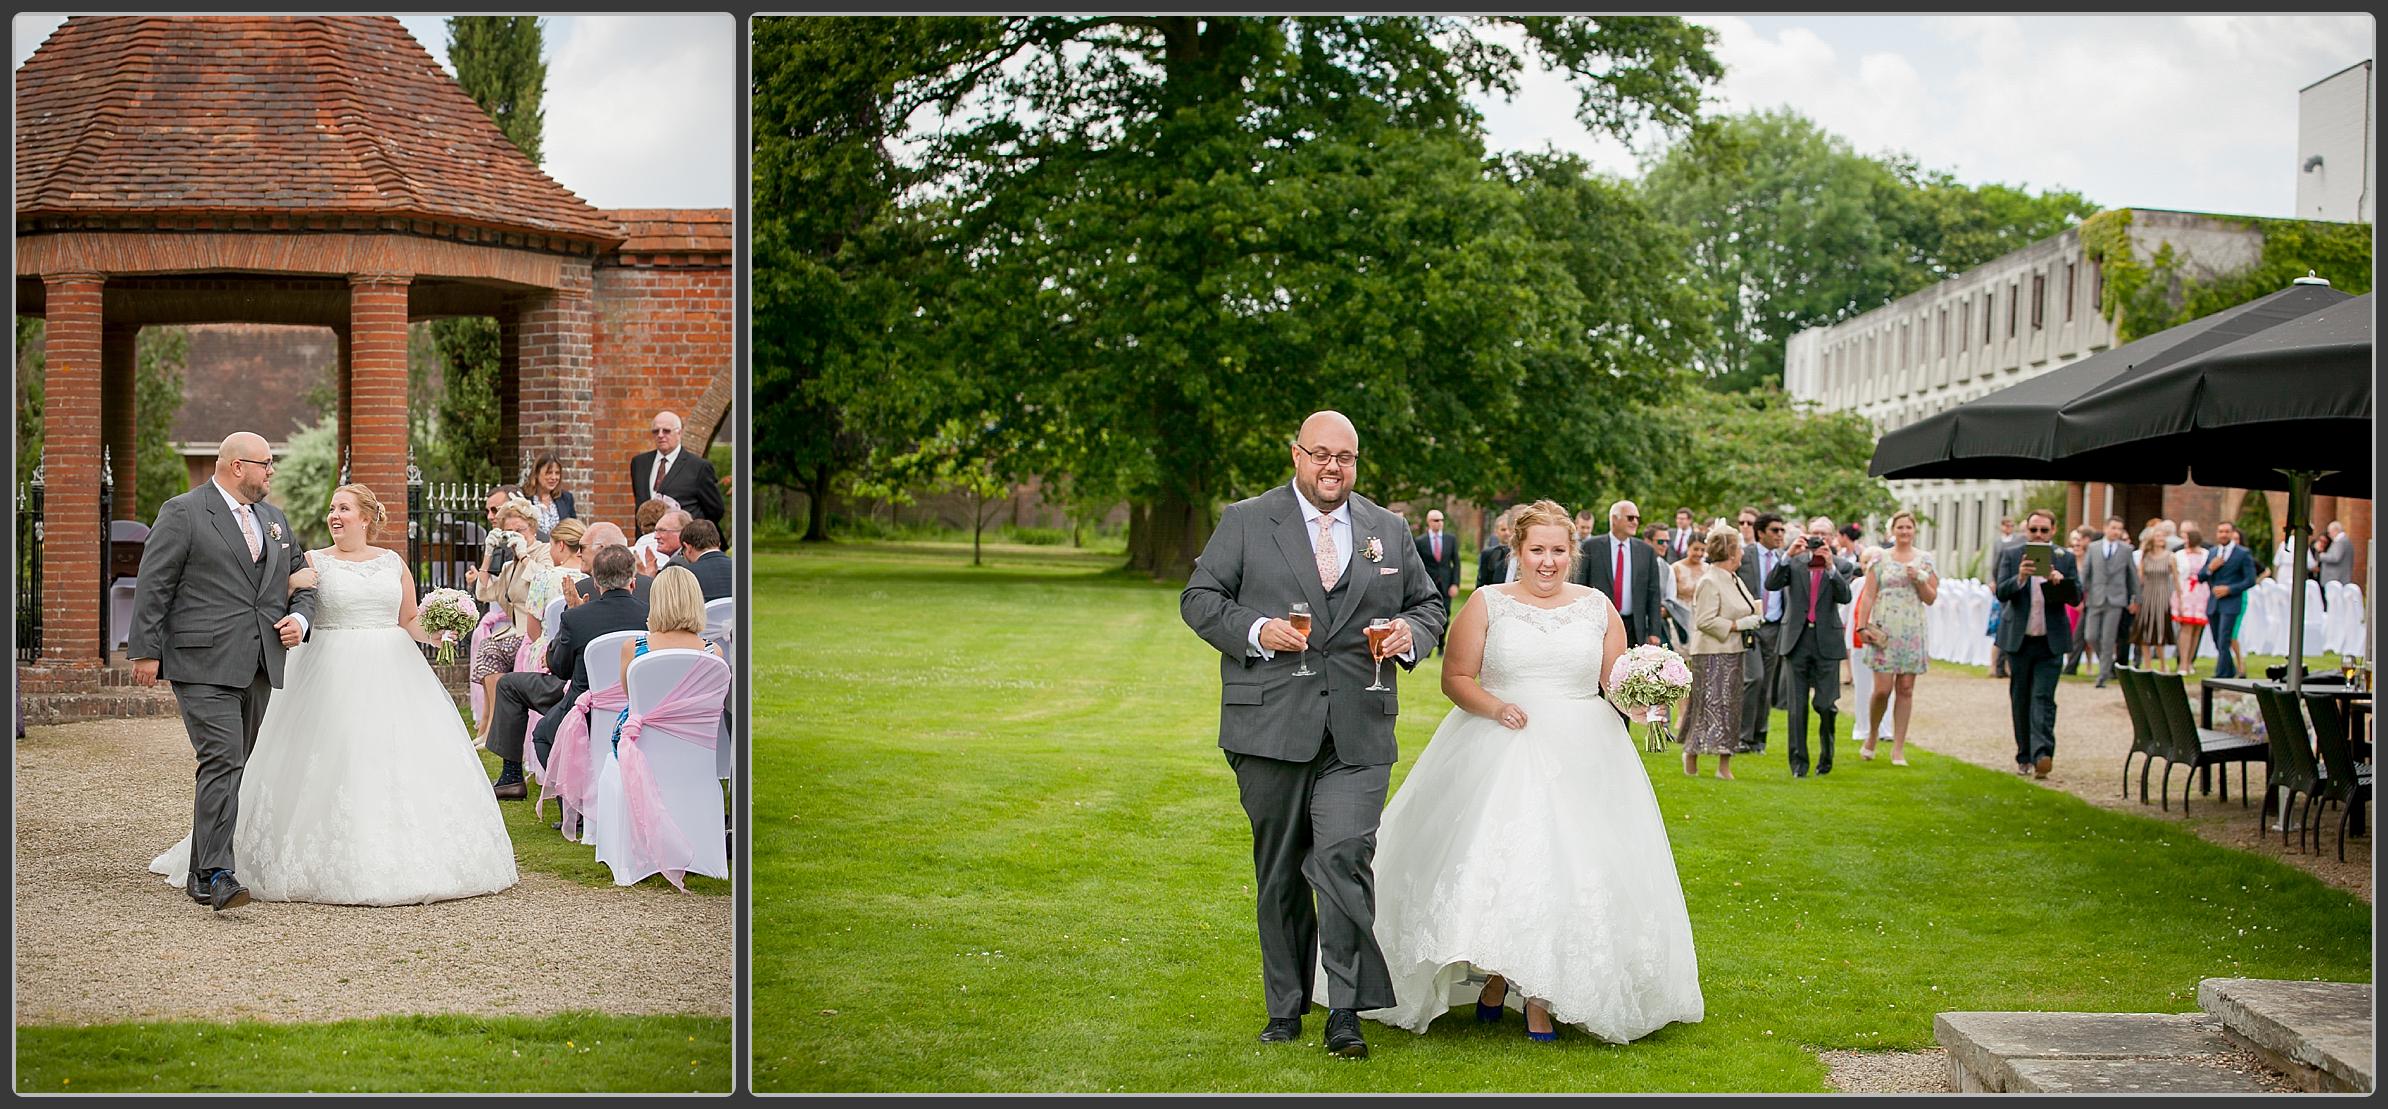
(1314, 836)
(222, 721)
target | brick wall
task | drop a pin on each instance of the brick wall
(663, 341)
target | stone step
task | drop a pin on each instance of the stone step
(110, 703)
(2095, 1053)
(2317, 1033)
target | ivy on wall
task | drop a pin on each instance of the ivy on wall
(2143, 297)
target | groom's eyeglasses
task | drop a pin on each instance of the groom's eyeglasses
(1320, 456)
(268, 463)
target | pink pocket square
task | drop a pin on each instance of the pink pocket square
(1383, 570)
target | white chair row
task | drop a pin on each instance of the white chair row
(2335, 621)
(679, 752)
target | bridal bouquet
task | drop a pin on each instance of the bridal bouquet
(1648, 678)
(449, 610)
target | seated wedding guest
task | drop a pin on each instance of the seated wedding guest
(547, 493)
(520, 694)
(684, 475)
(675, 621)
(701, 553)
(657, 547)
(567, 551)
(510, 591)
(1725, 617)
(606, 533)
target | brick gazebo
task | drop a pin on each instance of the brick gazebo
(325, 171)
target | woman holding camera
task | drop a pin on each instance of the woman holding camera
(1724, 618)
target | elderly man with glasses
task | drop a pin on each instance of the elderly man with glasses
(1626, 570)
(2034, 636)
(684, 476)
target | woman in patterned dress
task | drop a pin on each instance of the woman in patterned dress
(1722, 609)
(508, 589)
(1898, 587)
(2151, 627)
(2189, 594)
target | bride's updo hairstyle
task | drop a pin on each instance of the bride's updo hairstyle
(369, 505)
(1544, 513)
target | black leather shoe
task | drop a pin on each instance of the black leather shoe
(511, 791)
(1343, 1034)
(225, 892)
(1282, 1030)
(196, 888)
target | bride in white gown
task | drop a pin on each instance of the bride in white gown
(363, 788)
(1526, 847)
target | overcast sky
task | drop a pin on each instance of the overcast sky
(639, 109)
(2189, 112)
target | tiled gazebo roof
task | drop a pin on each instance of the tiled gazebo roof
(291, 116)
(674, 233)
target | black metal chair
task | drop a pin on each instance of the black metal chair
(2146, 734)
(2195, 747)
(2343, 780)
(2293, 766)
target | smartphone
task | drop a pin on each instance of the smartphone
(2041, 554)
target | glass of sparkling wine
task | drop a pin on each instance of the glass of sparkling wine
(1379, 630)
(1299, 617)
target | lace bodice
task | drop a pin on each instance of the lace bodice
(357, 594)
(1549, 651)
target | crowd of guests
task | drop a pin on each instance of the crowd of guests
(538, 551)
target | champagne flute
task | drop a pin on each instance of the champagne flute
(1379, 630)
(1299, 617)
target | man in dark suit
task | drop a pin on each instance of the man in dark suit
(701, 553)
(2034, 636)
(1441, 554)
(1492, 564)
(2230, 572)
(1761, 666)
(1679, 540)
(1811, 639)
(1604, 557)
(520, 694)
(684, 476)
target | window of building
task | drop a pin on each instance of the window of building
(1988, 300)
(2071, 292)
(2098, 285)
(2014, 293)
(2039, 301)
(1964, 322)
(1944, 333)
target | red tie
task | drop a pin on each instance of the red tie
(1617, 580)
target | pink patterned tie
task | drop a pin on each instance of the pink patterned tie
(248, 530)
(1330, 567)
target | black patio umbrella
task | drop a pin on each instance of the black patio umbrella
(2013, 433)
(2288, 407)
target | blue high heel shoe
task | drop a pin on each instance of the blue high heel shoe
(1491, 1014)
(1551, 1036)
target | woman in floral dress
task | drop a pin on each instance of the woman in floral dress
(1901, 582)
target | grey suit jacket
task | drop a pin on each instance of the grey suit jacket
(2336, 564)
(203, 609)
(1791, 576)
(2108, 581)
(1257, 564)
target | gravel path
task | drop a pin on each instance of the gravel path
(1965, 716)
(99, 939)
(1888, 1072)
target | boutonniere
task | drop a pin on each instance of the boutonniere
(1375, 550)
(274, 530)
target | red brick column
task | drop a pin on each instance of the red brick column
(555, 410)
(70, 456)
(118, 414)
(375, 422)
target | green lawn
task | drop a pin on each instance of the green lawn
(998, 849)
(578, 1052)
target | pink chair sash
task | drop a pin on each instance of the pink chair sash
(571, 775)
(691, 711)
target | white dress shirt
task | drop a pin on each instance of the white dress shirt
(1624, 579)
(240, 507)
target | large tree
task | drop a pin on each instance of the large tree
(1794, 229)
(497, 60)
(1163, 240)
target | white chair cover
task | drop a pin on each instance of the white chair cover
(720, 621)
(549, 615)
(683, 772)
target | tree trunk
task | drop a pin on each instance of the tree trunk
(1140, 537)
(978, 526)
(1178, 527)
(816, 489)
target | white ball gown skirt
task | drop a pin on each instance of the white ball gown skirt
(364, 787)
(1537, 854)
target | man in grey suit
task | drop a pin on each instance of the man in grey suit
(2336, 562)
(1313, 756)
(214, 616)
(2109, 595)
(1811, 639)
(1762, 666)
